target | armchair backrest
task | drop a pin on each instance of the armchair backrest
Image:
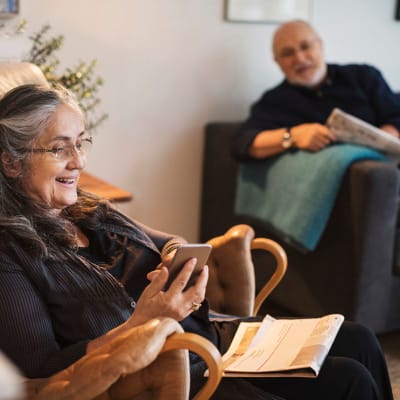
(231, 285)
(19, 73)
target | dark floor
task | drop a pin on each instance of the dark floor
(391, 346)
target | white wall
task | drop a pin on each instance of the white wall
(172, 65)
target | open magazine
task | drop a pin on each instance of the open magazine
(351, 129)
(281, 347)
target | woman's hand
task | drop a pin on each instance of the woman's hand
(154, 302)
(175, 302)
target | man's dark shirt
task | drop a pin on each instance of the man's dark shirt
(357, 89)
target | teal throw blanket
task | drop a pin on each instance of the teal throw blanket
(293, 193)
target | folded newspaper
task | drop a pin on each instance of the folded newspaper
(281, 347)
(348, 128)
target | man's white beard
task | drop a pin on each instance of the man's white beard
(316, 80)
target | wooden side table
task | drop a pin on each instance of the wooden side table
(103, 189)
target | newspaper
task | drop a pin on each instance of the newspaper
(348, 128)
(281, 347)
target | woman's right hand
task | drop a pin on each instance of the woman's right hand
(176, 302)
(154, 302)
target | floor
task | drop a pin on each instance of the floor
(391, 347)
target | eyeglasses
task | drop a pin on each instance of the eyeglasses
(289, 52)
(67, 152)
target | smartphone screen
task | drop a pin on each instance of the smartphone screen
(201, 251)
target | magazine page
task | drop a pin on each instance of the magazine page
(281, 347)
(351, 129)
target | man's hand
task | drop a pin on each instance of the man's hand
(391, 130)
(312, 137)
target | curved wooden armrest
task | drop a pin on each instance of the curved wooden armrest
(119, 367)
(207, 351)
(281, 265)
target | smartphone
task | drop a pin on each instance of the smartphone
(200, 251)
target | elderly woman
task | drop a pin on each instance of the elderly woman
(75, 272)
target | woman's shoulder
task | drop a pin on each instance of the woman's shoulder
(9, 259)
(13, 251)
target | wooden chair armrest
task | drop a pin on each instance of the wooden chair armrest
(125, 366)
(281, 265)
(207, 351)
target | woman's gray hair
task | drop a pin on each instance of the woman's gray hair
(25, 112)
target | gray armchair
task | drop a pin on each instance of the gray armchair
(352, 269)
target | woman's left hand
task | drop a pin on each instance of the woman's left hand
(176, 302)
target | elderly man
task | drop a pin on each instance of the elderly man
(293, 114)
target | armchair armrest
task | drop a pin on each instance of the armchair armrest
(131, 365)
(374, 191)
(280, 269)
(207, 351)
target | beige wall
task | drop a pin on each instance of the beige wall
(172, 65)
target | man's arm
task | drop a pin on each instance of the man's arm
(385, 101)
(312, 137)
(284, 107)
